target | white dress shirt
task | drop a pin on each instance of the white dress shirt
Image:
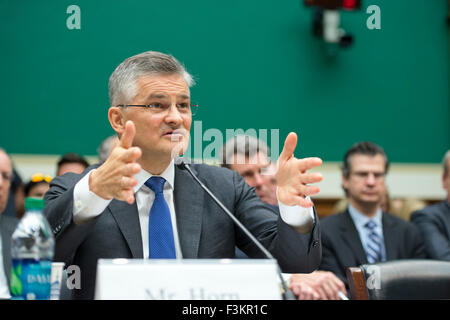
(87, 205)
(4, 290)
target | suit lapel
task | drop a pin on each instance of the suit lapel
(444, 213)
(391, 238)
(350, 235)
(189, 204)
(127, 218)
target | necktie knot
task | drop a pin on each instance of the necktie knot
(370, 225)
(156, 184)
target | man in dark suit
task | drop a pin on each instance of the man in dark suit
(7, 225)
(434, 221)
(139, 204)
(363, 233)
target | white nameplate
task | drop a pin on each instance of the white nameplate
(187, 279)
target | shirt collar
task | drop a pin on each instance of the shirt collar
(168, 175)
(360, 219)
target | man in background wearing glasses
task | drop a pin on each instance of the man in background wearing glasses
(139, 204)
(363, 233)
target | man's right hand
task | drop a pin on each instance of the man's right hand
(115, 177)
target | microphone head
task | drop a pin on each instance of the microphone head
(181, 162)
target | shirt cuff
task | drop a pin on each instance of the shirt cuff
(298, 217)
(86, 204)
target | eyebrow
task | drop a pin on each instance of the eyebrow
(247, 173)
(157, 95)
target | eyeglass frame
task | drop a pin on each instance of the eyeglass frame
(365, 174)
(150, 106)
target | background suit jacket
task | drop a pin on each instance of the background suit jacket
(434, 225)
(342, 247)
(204, 230)
(7, 226)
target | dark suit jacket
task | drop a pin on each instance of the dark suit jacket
(342, 247)
(238, 254)
(434, 225)
(204, 230)
(7, 226)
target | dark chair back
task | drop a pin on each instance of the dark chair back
(400, 280)
(65, 293)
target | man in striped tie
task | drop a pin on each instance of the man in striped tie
(364, 233)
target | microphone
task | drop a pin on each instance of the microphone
(182, 164)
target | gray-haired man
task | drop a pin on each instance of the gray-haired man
(117, 209)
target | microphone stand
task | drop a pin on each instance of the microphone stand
(287, 294)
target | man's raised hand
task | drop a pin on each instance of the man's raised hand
(115, 177)
(293, 180)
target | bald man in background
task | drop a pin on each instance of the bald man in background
(7, 225)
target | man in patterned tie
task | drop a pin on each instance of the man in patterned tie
(363, 233)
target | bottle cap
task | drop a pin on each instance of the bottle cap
(34, 203)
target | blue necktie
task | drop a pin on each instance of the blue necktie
(160, 233)
(374, 243)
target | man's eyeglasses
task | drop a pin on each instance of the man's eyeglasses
(159, 107)
(38, 177)
(366, 174)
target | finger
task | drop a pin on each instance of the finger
(126, 140)
(316, 296)
(131, 154)
(307, 294)
(308, 163)
(128, 183)
(302, 202)
(322, 294)
(307, 190)
(330, 292)
(341, 288)
(339, 284)
(130, 169)
(289, 147)
(295, 290)
(127, 195)
(308, 178)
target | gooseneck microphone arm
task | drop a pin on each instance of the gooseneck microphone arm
(180, 162)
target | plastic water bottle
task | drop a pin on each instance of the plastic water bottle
(32, 249)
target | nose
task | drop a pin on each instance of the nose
(173, 116)
(371, 179)
(258, 180)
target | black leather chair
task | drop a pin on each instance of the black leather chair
(400, 280)
(65, 293)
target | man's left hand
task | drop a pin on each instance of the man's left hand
(292, 177)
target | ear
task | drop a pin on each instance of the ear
(345, 181)
(445, 181)
(117, 119)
